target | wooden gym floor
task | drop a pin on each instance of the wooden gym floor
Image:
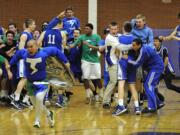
(79, 118)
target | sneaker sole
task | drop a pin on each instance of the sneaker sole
(120, 112)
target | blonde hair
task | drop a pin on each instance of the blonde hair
(140, 16)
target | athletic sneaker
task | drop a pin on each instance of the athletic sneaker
(26, 104)
(16, 104)
(160, 106)
(51, 120)
(137, 110)
(148, 110)
(119, 110)
(60, 104)
(106, 105)
(36, 124)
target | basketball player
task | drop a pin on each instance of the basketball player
(126, 72)
(37, 85)
(26, 35)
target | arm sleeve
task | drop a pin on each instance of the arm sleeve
(78, 41)
(151, 38)
(139, 60)
(17, 57)
(53, 23)
(52, 51)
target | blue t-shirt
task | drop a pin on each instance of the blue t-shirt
(70, 24)
(35, 65)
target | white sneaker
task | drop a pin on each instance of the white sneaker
(97, 98)
(36, 124)
(51, 120)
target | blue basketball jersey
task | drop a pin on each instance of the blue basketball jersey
(53, 38)
(29, 36)
(70, 24)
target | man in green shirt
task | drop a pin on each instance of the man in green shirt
(90, 63)
(12, 27)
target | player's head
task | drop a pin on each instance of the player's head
(157, 42)
(140, 21)
(30, 23)
(36, 34)
(12, 26)
(127, 27)
(76, 33)
(113, 28)
(136, 44)
(88, 29)
(32, 46)
(10, 36)
(69, 12)
(44, 25)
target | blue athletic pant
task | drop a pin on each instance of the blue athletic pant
(150, 81)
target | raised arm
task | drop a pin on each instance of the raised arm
(55, 20)
(170, 37)
(40, 39)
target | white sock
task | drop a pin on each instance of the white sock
(3, 93)
(101, 92)
(26, 99)
(88, 93)
(136, 103)
(120, 102)
(17, 96)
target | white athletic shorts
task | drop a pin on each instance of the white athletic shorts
(90, 70)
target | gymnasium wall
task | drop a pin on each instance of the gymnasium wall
(159, 16)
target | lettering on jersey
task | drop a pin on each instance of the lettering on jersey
(51, 39)
(71, 23)
(33, 63)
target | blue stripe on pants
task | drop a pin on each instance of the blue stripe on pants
(151, 80)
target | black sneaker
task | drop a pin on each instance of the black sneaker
(160, 106)
(147, 110)
(17, 105)
(25, 104)
(106, 105)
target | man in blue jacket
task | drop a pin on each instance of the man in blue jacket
(153, 65)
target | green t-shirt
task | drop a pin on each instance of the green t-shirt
(2, 60)
(88, 54)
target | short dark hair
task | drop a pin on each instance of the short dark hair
(90, 25)
(69, 8)
(113, 23)
(28, 22)
(127, 26)
(106, 31)
(138, 41)
(10, 32)
(157, 38)
(12, 23)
